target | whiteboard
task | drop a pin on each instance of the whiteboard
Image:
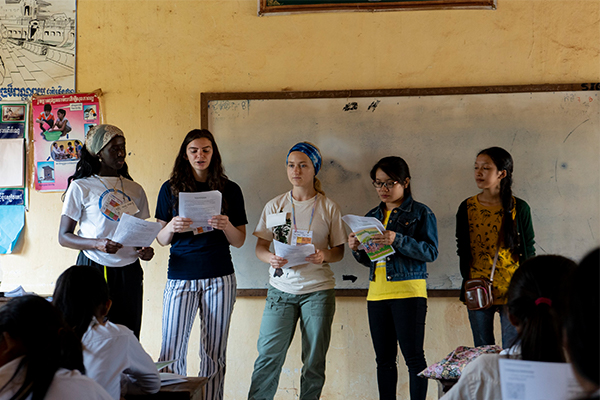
(552, 134)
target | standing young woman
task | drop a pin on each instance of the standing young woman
(200, 276)
(304, 292)
(489, 223)
(397, 297)
(99, 192)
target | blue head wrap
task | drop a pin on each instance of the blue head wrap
(311, 151)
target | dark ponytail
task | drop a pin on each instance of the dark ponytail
(48, 344)
(535, 297)
(79, 291)
(504, 162)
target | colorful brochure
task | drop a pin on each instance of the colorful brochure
(365, 228)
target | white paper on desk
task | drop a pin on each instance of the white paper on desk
(357, 223)
(135, 232)
(161, 364)
(11, 167)
(169, 378)
(200, 207)
(295, 255)
(17, 292)
(536, 380)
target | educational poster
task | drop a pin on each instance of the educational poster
(37, 48)
(13, 128)
(60, 124)
(12, 144)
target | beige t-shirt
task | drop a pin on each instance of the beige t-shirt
(328, 231)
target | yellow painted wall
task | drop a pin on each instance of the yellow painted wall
(153, 58)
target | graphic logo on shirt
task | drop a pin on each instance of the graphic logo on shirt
(111, 204)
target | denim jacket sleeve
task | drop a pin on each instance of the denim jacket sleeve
(423, 245)
(362, 257)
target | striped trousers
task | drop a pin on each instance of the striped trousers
(213, 300)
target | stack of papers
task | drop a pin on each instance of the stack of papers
(168, 378)
(17, 292)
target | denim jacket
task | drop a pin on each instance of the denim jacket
(415, 244)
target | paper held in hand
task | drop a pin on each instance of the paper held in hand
(365, 228)
(200, 207)
(135, 232)
(295, 255)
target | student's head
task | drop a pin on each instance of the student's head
(581, 321)
(198, 159)
(61, 113)
(303, 163)
(69, 144)
(31, 327)
(391, 178)
(535, 299)
(62, 147)
(104, 148)
(494, 168)
(47, 108)
(55, 145)
(494, 165)
(81, 293)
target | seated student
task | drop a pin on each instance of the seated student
(534, 298)
(582, 323)
(112, 355)
(40, 357)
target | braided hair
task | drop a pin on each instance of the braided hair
(504, 162)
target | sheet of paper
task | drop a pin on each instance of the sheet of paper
(357, 223)
(200, 207)
(161, 364)
(135, 232)
(12, 220)
(276, 219)
(535, 380)
(12, 164)
(168, 378)
(365, 228)
(17, 292)
(295, 255)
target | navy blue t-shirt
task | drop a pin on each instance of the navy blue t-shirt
(205, 255)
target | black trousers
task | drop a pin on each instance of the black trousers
(125, 285)
(393, 322)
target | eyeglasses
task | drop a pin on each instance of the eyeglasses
(388, 184)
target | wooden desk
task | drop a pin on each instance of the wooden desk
(193, 389)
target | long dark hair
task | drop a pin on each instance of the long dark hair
(582, 321)
(535, 299)
(89, 165)
(78, 293)
(504, 162)
(396, 168)
(47, 341)
(182, 178)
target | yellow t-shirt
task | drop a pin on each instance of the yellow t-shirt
(484, 225)
(382, 289)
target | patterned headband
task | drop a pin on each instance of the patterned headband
(311, 151)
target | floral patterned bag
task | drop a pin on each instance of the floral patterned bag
(453, 364)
